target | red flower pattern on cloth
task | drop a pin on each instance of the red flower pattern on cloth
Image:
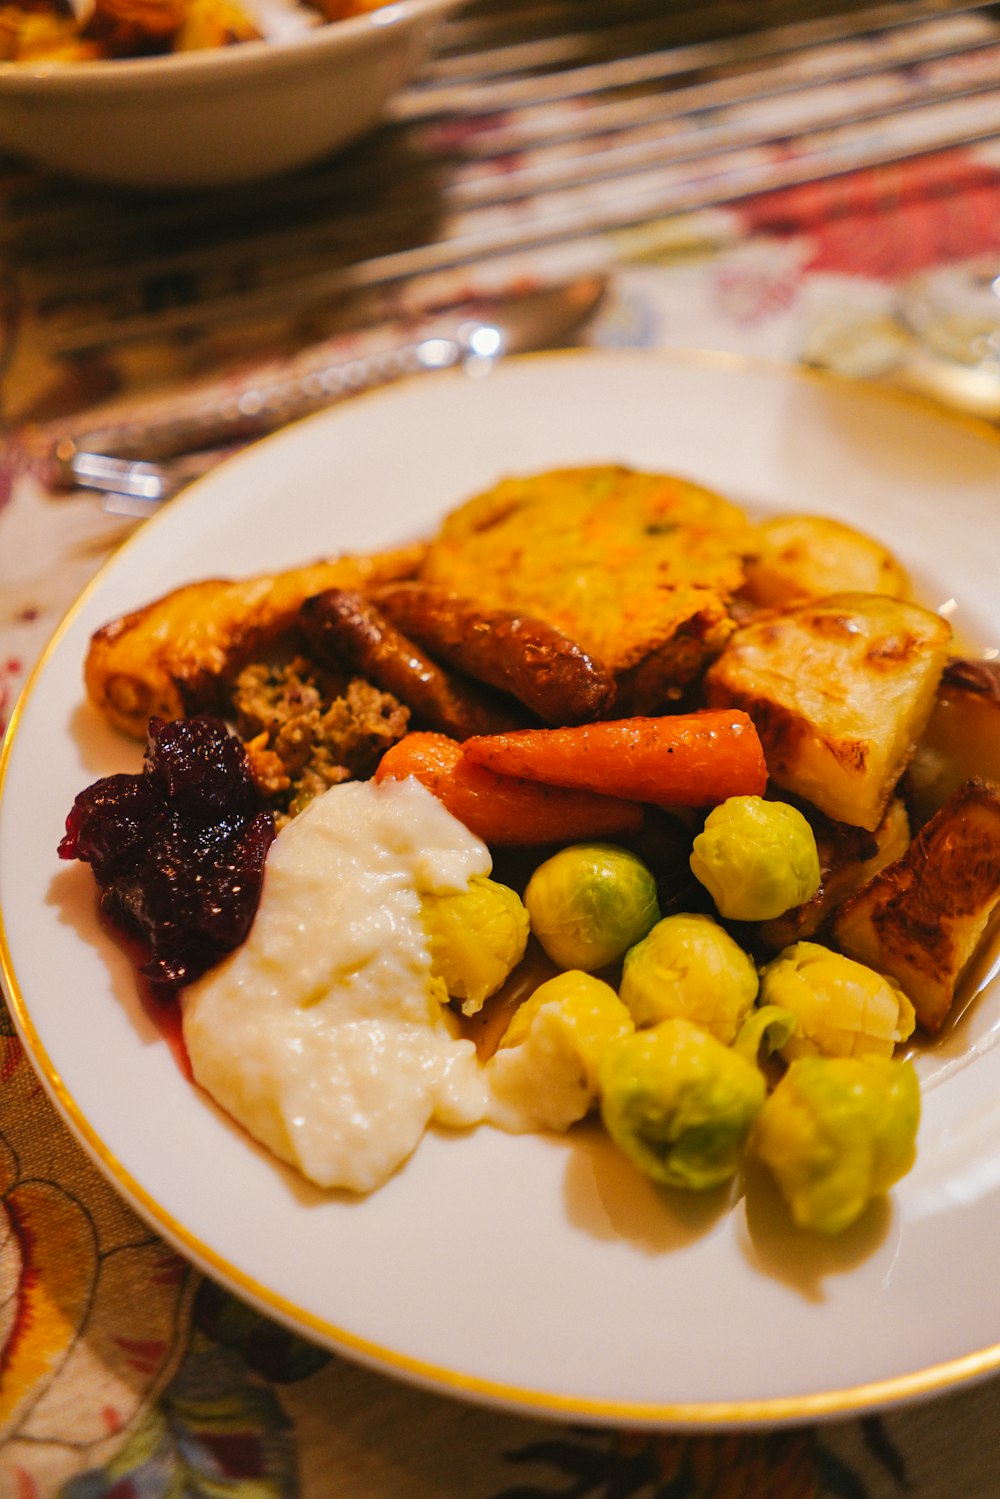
(889, 222)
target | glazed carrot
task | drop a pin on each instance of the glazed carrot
(680, 760)
(501, 809)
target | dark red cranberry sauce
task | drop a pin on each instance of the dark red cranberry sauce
(178, 852)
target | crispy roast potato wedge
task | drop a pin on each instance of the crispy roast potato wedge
(797, 557)
(840, 690)
(922, 919)
(849, 858)
(962, 739)
(176, 656)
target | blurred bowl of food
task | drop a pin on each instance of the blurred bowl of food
(200, 93)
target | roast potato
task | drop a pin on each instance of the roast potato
(797, 557)
(849, 858)
(921, 920)
(962, 737)
(840, 690)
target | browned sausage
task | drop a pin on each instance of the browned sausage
(343, 626)
(533, 661)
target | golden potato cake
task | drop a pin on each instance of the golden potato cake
(637, 568)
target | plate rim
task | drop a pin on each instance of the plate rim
(702, 1415)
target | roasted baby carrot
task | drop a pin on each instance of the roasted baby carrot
(679, 760)
(501, 809)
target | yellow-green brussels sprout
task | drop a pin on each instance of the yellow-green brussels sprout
(544, 1072)
(679, 1104)
(590, 902)
(689, 968)
(477, 936)
(764, 1031)
(756, 858)
(836, 1132)
(843, 1009)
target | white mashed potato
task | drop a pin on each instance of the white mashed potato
(322, 1034)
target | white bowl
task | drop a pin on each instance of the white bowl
(224, 115)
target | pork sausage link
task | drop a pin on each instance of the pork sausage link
(516, 653)
(343, 626)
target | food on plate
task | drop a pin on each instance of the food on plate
(506, 810)
(637, 568)
(177, 851)
(841, 1007)
(849, 857)
(65, 31)
(840, 690)
(324, 1033)
(799, 557)
(700, 781)
(675, 760)
(477, 937)
(589, 903)
(962, 738)
(180, 654)
(516, 653)
(922, 918)
(757, 859)
(343, 626)
(688, 967)
(763, 1032)
(305, 729)
(835, 1133)
(679, 1104)
(544, 1073)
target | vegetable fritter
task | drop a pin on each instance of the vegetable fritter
(636, 568)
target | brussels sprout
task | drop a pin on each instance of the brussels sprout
(756, 858)
(544, 1073)
(679, 1104)
(836, 1132)
(689, 968)
(477, 936)
(589, 903)
(843, 1009)
(764, 1031)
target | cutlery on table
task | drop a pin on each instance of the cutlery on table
(140, 463)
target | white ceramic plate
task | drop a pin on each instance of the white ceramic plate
(540, 1274)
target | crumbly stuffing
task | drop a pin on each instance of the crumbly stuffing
(306, 730)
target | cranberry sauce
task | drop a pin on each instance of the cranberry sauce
(178, 852)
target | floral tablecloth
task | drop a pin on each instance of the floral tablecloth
(124, 1372)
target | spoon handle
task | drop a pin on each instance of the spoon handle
(210, 418)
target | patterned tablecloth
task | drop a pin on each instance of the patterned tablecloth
(122, 1371)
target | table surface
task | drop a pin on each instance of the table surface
(123, 1371)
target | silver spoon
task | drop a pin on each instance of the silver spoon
(138, 465)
